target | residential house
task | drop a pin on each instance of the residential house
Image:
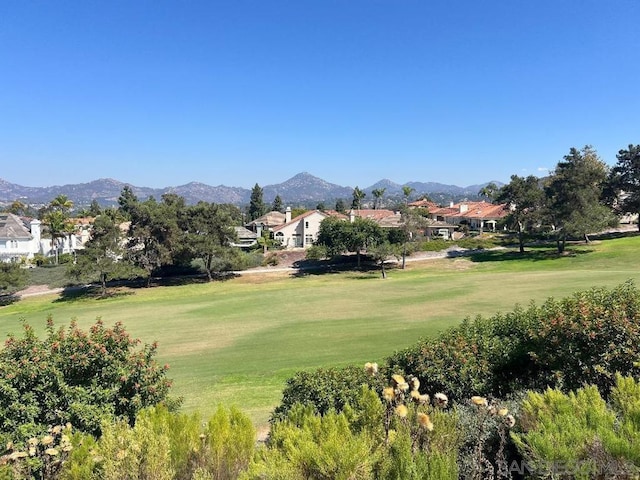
(301, 231)
(18, 239)
(268, 221)
(477, 215)
(245, 238)
(21, 238)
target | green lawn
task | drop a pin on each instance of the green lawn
(237, 341)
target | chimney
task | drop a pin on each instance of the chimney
(451, 204)
(464, 207)
(259, 229)
(287, 215)
(352, 215)
(34, 226)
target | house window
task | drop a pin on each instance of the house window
(306, 224)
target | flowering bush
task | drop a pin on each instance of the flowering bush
(77, 377)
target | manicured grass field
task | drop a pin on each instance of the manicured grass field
(236, 342)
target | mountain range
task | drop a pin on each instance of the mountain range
(300, 188)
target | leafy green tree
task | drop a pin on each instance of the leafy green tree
(381, 253)
(525, 197)
(341, 207)
(208, 232)
(339, 236)
(332, 236)
(256, 203)
(17, 208)
(321, 206)
(412, 222)
(103, 255)
(154, 235)
(625, 181)
(76, 376)
(358, 197)
(489, 191)
(277, 204)
(377, 193)
(12, 279)
(574, 195)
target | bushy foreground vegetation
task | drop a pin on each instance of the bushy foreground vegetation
(548, 391)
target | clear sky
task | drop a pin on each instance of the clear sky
(161, 93)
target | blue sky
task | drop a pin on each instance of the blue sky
(159, 93)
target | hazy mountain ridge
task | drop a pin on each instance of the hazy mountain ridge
(302, 187)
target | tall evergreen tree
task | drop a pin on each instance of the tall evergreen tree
(574, 196)
(277, 204)
(625, 181)
(256, 203)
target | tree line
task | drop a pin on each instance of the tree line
(581, 196)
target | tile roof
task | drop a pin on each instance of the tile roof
(376, 215)
(300, 217)
(12, 227)
(272, 218)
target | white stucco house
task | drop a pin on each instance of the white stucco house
(22, 238)
(301, 231)
(18, 240)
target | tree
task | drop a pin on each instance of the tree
(94, 208)
(321, 206)
(208, 232)
(340, 206)
(277, 204)
(76, 376)
(127, 201)
(358, 196)
(525, 197)
(406, 192)
(256, 203)
(625, 181)
(103, 255)
(58, 225)
(381, 253)
(489, 191)
(378, 193)
(17, 208)
(154, 235)
(412, 221)
(574, 196)
(12, 279)
(339, 236)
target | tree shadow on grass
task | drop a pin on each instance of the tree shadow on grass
(76, 293)
(531, 254)
(8, 299)
(341, 264)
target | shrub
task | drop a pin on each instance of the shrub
(75, 376)
(577, 433)
(585, 338)
(325, 389)
(166, 445)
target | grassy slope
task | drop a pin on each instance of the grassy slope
(238, 341)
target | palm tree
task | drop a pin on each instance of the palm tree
(489, 191)
(358, 196)
(57, 221)
(377, 193)
(61, 203)
(407, 191)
